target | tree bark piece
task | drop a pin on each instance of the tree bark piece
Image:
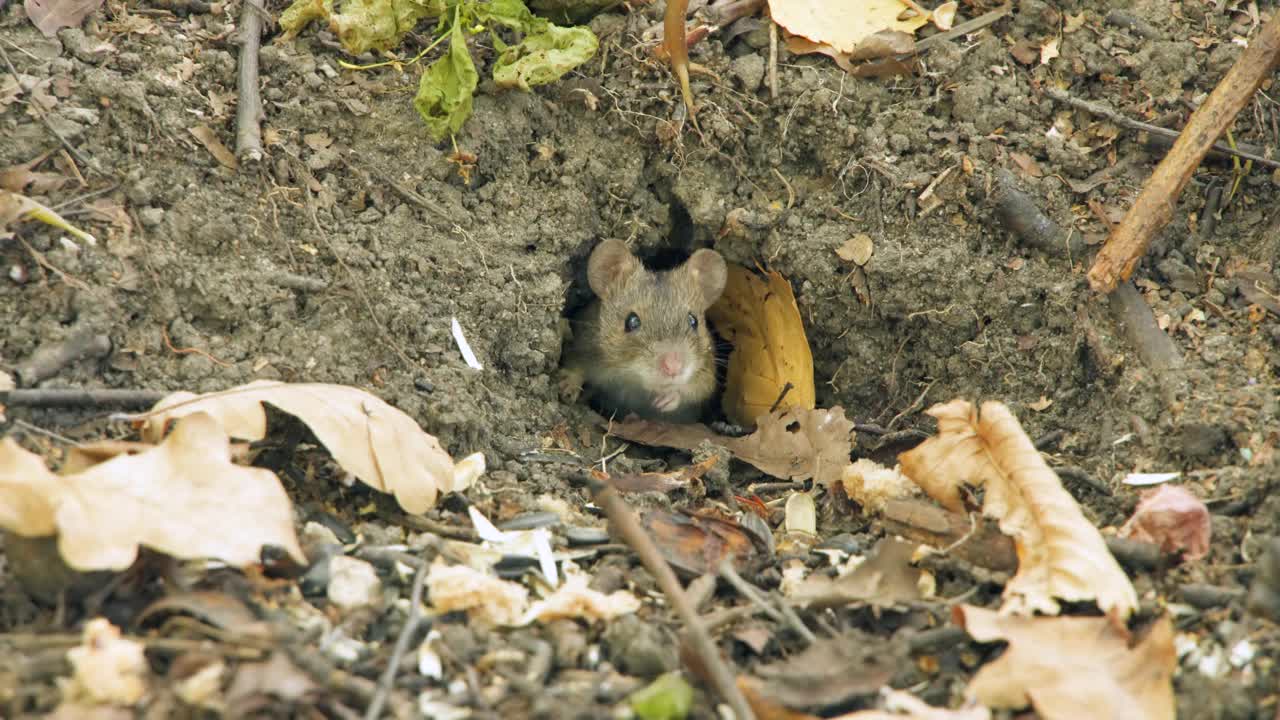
(1155, 204)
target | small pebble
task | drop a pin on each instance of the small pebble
(353, 583)
(531, 521)
(586, 536)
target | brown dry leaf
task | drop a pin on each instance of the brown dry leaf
(899, 705)
(220, 152)
(857, 249)
(277, 676)
(51, 15)
(886, 577)
(845, 28)
(24, 178)
(1026, 164)
(1049, 50)
(487, 599)
(184, 498)
(659, 481)
(831, 672)
(794, 444)
(696, 544)
(379, 444)
(770, 350)
(1060, 555)
(1073, 667)
(1171, 517)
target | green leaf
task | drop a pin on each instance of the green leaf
(667, 698)
(544, 56)
(509, 13)
(444, 93)
(379, 24)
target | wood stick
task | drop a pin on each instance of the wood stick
(677, 46)
(624, 523)
(249, 106)
(1155, 204)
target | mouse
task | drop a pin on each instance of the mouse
(642, 345)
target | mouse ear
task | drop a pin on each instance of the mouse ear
(707, 269)
(610, 266)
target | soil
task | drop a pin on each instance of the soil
(203, 277)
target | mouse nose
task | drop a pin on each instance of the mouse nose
(670, 364)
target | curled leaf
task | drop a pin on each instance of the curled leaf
(1060, 554)
(444, 93)
(379, 444)
(771, 366)
(544, 56)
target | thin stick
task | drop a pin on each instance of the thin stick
(1101, 110)
(963, 28)
(677, 45)
(81, 397)
(1154, 347)
(51, 357)
(786, 616)
(402, 643)
(773, 60)
(249, 105)
(627, 527)
(1155, 204)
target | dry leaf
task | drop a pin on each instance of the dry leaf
(1049, 51)
(886, 577)
(184, 498)
(24, 178)
(574, 599)
(793, 444)
(379, 444)
(845, 28)
(1171, 517)
(770, 350)
(1060, 555)
(899, 705)
(49, 16)
(106, 668)
(1069, 668)
(220, 152)
(944, 16)
(830, 672)
(857, 249)
(696, 544)
(1041, 405)
(1026, 164)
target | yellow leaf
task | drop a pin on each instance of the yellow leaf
(843, 24)
(770, 350)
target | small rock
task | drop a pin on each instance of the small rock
(151, 216)
(568, 641)
(586, 536)
(1201, 440)
(531, 521)
(353, 583)
(749, 70)
(640, 648)
(315, 535)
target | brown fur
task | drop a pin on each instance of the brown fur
(621, 368)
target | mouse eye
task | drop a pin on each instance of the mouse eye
(633, 322)
(693, 322)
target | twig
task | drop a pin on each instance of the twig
(1156, 350)
(914, 406)
(81, 397)
(374, 710)
(50, 358)
(677, 46)
(1021, 215)
(44, 118)
(627, 527)
(749, 591)
(1155, 204)
(1071, 472)
(1101, 110)
(773, 59)
(249, 105)
(453, 532)
(963, 28)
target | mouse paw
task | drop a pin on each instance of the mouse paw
(570, 385)
(667, 401)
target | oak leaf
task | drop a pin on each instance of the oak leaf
(1074, 667)
(379, 444)
(183, 497)
(771, 366)
(1060, 554)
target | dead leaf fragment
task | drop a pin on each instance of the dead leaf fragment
(379, 444)
(574, 599)
(184, 498)
(771, 365)
(1171, 517)
(49, 16)
(696, 544)
(846, 29)
(830, 672)
(857, 249)
(220, 152)
(1073, 667)
(107, 668)
(884, 578)
(1060, 554)
(1049, 51)
(484, 597)
(795, 444)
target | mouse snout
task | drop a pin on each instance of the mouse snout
(671, 364)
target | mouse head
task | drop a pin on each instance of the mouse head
(656, 320)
